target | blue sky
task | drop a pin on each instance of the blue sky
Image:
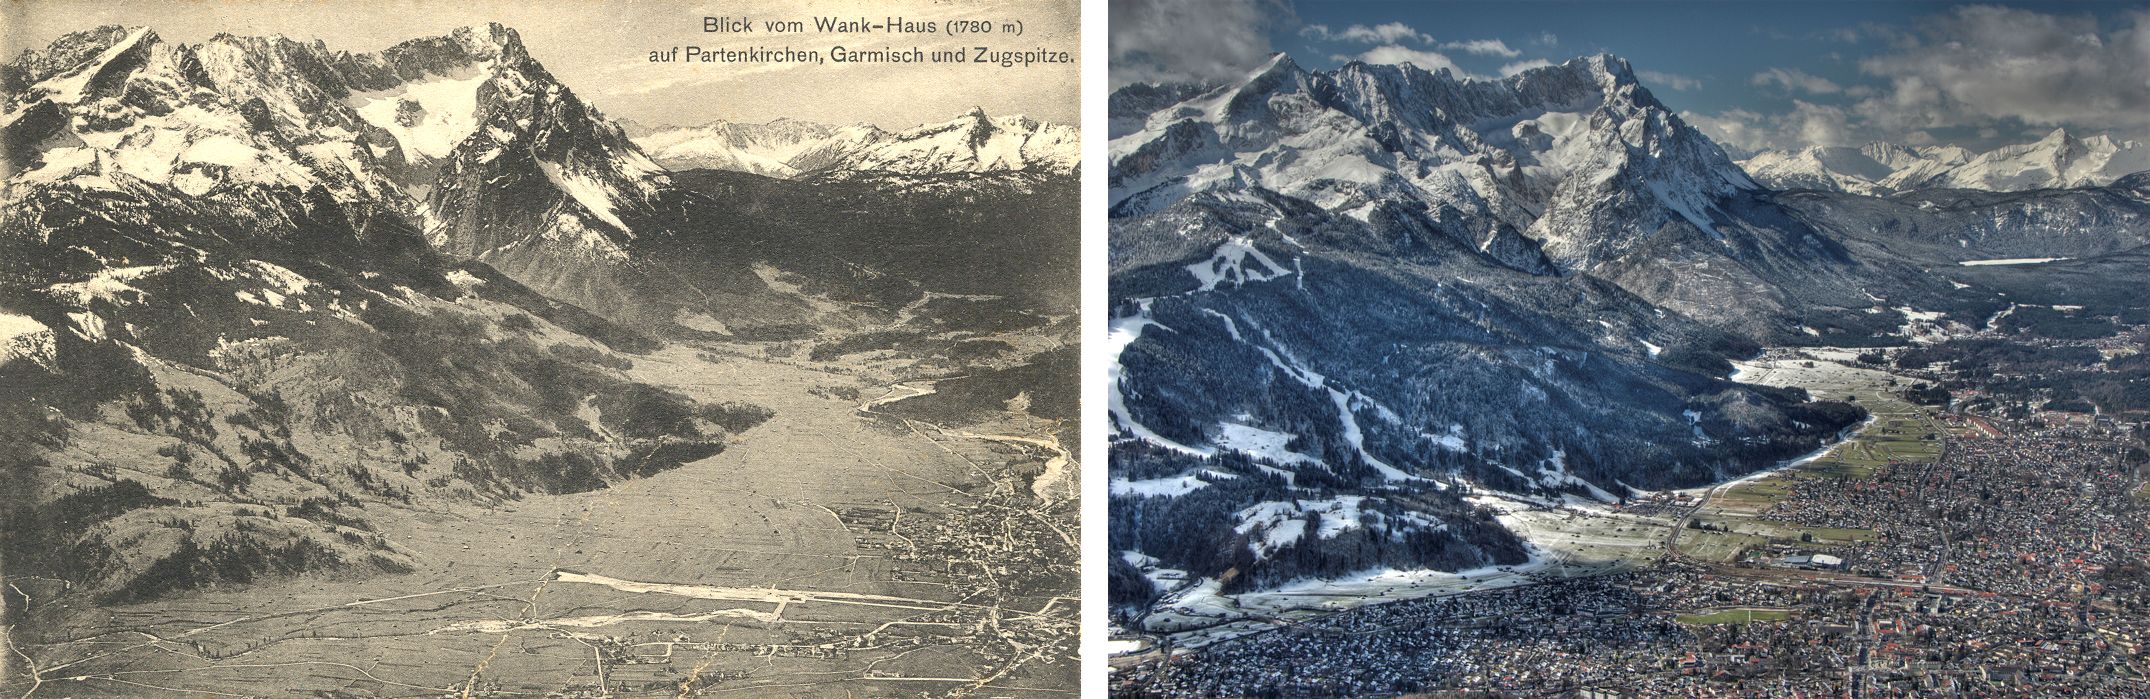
(1753, 74)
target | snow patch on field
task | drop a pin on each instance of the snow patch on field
(1284, 524)
(465, 279)
(59, 164)
(1166, 487)
(107, 285)
(23, 337)
(1261, 444)
(1229, 264)
(286, 281)
(2012, 261)
(13, 326)
(1923, 327)
(1452, 440)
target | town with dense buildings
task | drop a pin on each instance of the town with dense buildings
(1942, 551)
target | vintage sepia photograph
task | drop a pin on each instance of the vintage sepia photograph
(564, 349)
(1628, 349)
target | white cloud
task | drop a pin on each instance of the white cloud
(1483, 47)
(1429, 60)
(1797, 80)
(1669, 80)
(1523, 65)
(1150, 41)
(1982, 64)
(1861, 32)
(1820, 125)
(1735, 129)
(1808, 124)
(1388, 33)
(1547, 39)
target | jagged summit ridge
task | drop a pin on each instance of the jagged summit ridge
(266, 109)
(414, 127)
(1579, 155)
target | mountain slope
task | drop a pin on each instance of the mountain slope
(1346, 302)
(268, 385)
(1275, 364)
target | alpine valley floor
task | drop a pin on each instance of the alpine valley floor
(828, 552)
(1931, 552)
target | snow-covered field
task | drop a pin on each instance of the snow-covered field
(2011, 261)
(1827, 378)
(1567, 540)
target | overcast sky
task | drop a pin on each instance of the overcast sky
(601, 51)
(1752, 74)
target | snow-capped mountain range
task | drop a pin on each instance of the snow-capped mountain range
(780, 148)
(1547, 153)
(2060, 160)
(470, 138)
(788, 148)
(465, 133)
(1358, 313)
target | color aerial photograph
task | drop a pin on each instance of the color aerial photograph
(1628, 349)
(490, 349)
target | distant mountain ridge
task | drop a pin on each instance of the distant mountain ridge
(2060, 160)
(789, 148)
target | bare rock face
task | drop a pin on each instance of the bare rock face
(409, 113)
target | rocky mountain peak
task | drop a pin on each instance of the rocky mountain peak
(502, 155)
(491, 38)
(67, 53)
(1557, 152)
